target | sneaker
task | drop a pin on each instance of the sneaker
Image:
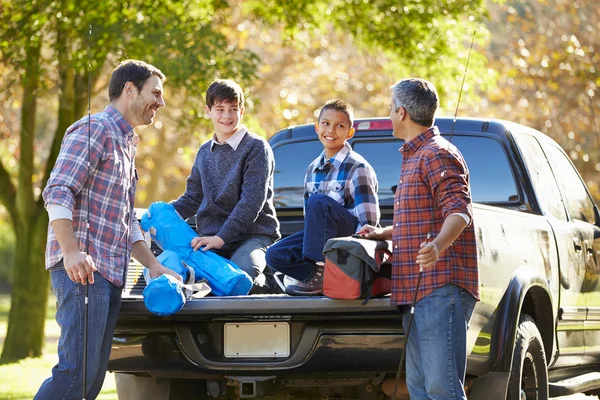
(288, 281)
(312, 286)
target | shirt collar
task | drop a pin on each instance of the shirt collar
(233, 141)
(336, 160)
(413, 145)
(123, 125)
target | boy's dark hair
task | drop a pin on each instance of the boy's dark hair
(339, 105)
(134, 71)
(224, 90)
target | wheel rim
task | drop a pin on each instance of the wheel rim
(529, 379)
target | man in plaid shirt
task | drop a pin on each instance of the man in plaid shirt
(340, 196)
(98, 197)
(433, 229)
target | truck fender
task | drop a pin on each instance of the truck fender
(527, 293)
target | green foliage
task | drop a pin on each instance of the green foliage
(546, 53)
(428, 38)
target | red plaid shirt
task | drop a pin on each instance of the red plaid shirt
(111, 186)
(434, 183)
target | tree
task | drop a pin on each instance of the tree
(192, 42)
(546, 53)
(49, 47)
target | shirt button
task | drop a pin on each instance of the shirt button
(397, 224)
(400, 181)
(396, 246)
(397, 203)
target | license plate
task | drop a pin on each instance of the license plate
(257, 339)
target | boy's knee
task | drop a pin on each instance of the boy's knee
(273, 255)
(318, 201)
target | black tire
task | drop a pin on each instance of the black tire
(529, 372)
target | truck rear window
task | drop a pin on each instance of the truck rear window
(492, 179)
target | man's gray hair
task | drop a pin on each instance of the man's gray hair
(418, 97)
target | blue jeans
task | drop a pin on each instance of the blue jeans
(436, 354)
(296, 254)
(104, 302)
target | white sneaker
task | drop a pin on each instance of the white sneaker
(288, 280)
(278, 277)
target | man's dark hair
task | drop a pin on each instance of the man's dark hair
(134, 71)
(339, 105)
(224, 90)
(418, 97)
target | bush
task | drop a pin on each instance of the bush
(7, 252)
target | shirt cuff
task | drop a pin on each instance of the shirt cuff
(464, 216)
(56, 211)
(136, 232)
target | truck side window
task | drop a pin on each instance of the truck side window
(542, 177)
(492, 180)
(578, 201)
(291, 161)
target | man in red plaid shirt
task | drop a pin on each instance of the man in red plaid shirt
(92, 188)
(432, 230)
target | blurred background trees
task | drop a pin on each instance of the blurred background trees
(533, 62)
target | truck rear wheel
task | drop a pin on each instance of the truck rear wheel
(529, 372)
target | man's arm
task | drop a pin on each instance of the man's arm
(451, 230)
(78, 265)
(448, 178)
(371, 232)
(144, 255)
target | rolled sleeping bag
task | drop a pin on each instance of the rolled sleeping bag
(171, 232)
(164, 295)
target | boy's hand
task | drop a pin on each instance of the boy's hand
(207, 243)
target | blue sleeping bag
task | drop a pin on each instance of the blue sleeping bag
(171, 232)
(164, 295)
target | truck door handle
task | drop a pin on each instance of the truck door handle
(577, 244)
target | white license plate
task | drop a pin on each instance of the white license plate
(257, 339)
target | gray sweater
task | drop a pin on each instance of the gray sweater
(231, 191)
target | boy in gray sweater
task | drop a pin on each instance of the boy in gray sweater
(230, 189)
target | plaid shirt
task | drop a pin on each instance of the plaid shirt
(348, 179)
(434, 183)
(111, 186)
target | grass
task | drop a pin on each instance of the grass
(21, 380)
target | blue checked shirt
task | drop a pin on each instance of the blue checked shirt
(348, 179)
(111, 186)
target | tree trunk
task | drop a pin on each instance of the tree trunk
(27, 316)
(25, 333)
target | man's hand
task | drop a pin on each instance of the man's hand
(79, 267)
(428, 255)
(157, 269)
(207, 243)
(370, 232)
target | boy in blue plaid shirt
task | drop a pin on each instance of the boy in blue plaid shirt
(340, 196)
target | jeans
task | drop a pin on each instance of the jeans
(296, 254)
(104, 302)
(436, 354)
(248, 253)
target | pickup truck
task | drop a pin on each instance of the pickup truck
(535, 333)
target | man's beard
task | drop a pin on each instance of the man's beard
(140, 113)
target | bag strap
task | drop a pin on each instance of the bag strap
(193, 289)
(382, 256)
